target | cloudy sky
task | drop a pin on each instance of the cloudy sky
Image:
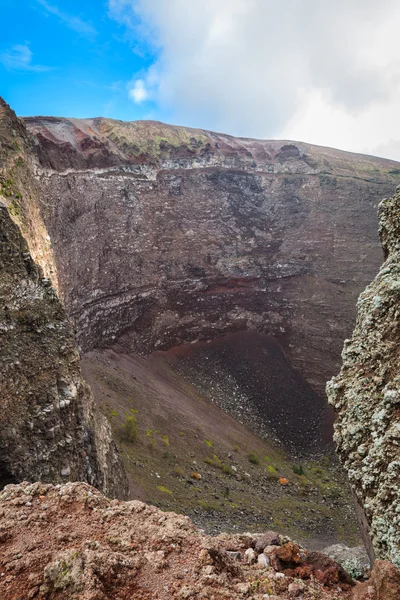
(313, 70)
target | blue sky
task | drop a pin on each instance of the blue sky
(310, 70)
(69, 59)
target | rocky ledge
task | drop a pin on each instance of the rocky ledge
(70, 542)
(366, 395)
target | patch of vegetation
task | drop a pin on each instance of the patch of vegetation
(218, 464)
(253, 459)
(164, 490)
(165, 439)
(298, 469)
(14, 209)
(208, 506)
(208, 443)
(129, 430)
(178, 471)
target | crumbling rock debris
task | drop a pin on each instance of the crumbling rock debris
(366, 395)
(71, 542)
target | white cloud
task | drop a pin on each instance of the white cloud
(138, 92)
(71, 21)
(19, 58)
(324, 72)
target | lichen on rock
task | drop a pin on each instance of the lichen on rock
(366, 395)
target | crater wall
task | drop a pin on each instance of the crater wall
(165, 235)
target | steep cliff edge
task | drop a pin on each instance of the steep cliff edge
(366, 395)
(166, 235)
(49, 429)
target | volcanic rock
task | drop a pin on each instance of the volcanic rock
(49, 429)
(366, 396)
(164, 235)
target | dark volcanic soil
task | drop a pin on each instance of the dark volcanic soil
(248, 375)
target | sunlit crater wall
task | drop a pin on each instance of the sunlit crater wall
(164, 235)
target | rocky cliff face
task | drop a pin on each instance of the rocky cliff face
(366, 395)
(49, 430)
(165, 235)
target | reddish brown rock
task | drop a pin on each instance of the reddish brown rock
(384, 583)
(91, 548)
(288, 553)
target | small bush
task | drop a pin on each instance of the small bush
(272, 473)
(178, 471)
(253, 459)
(165, 439)
(298, 469)
(208, 443)
(129, 430)
(226, 469)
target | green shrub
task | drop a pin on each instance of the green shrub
(298, 469)
(253, 459)
(178, 471)
(129, 430)
(226, 469)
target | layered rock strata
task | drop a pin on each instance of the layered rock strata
(366, 395)
(49, 429)
(165, 235)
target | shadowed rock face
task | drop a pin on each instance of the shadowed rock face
(164, 235)
(366, 395)
(49, 430)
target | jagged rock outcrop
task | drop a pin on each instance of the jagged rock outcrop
(69, 542)
(366, 395)
(49, 429)
(163, 235)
